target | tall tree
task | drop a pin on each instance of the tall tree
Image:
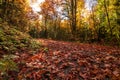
(14, 12)
(70, 11)
(80, 9)
(49, 12)
(107, 15)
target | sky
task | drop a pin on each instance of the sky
(35, 5)
(36, 8)
(90, 3)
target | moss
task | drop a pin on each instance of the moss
(12, 40)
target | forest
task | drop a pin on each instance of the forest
(59, 39)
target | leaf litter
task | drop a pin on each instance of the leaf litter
(60, 60)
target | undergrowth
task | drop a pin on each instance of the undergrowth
(12, 40)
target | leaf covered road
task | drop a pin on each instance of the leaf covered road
(60, 60)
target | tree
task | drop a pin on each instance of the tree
(14, 12)
(70, 11)
(105, 19)
(50, 15)
(107, 16)
(117, 8)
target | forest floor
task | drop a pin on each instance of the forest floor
(59, 60)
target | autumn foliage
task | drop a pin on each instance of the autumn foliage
(71, 61)
(24, 55)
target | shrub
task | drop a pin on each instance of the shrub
(7, 65)
(12, 40)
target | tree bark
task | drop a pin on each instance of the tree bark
(73, 15)
(108, 19)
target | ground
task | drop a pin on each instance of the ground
(59, 60)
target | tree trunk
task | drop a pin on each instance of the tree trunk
(108, 19)
(45, 31)
(73, 15)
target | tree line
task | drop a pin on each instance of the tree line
(66, 19)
